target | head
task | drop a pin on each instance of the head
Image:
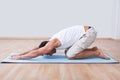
(43, 44)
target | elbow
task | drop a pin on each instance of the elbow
(47, 50)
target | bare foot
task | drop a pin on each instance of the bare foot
(101, 55)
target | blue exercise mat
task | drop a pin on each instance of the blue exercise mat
(60, 58)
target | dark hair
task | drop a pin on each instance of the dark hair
(42, 44)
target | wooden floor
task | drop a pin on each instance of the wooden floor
(58, 71)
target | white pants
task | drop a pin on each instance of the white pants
(84, 42)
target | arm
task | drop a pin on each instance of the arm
(18, 55)
(33, 53)
(44, 50)
(29, 51)
(29, 54)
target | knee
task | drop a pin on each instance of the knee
(69, 57)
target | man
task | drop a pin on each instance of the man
(75, 40)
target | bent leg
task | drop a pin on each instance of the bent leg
(90, 53)
(84, 42)
(79, 49)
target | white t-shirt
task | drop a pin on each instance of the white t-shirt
(69, 36)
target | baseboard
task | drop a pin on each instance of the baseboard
(117, 39)
(24, 38)
(104, 39)
(43, 38)
(108, 39)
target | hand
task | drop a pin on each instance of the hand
(15, 57)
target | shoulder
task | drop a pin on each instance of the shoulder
(55, 42)
(52, 44)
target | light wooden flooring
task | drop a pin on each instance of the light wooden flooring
(58, 71)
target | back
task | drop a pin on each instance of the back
(69, 36)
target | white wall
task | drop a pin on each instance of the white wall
(116, 20)
(43, 18)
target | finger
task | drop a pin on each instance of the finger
(12, 57)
